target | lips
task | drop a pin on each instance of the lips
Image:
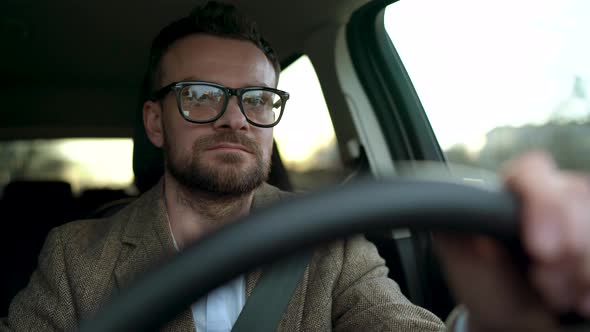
(228, 142)
(229, 146)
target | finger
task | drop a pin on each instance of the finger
(482, 276)
(526, 164)
(579, 240)
(535, 179)
(562, 287)
(582, 281)
(556, 286)
(556, 229)
(478, 260)
(583, 305)
(556, 223)
(576, 202)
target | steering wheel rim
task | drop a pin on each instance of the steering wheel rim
(305, 221)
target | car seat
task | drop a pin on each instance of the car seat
(30, 209)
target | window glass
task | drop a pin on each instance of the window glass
(497, 78)
(84, 163)
(305, 136)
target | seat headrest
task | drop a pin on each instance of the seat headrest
(31, 190)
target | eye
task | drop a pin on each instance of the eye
(254, 101)
(209, 96)
(258, 99)
(202, 95)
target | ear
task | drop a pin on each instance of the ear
(152, 122)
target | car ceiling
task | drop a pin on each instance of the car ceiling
(73, 68)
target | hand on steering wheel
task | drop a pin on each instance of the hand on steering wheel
(555, 232)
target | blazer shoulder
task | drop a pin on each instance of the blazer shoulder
(355, 245)
(345, 256)
(92, 234)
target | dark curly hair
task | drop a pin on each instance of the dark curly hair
(213, 18)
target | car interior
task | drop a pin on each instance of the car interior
(73, 70)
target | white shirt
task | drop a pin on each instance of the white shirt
(220, 308)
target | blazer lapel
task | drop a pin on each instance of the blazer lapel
(146, 243)
(252, 279)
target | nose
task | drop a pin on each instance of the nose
(232, 118)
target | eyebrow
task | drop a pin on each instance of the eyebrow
(193, 78)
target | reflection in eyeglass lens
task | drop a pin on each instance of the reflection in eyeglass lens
(261, 106)
(202, 102)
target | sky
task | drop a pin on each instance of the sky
(481, 64)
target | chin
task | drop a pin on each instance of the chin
(231, 158)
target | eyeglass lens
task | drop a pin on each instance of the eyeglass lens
(205, 102)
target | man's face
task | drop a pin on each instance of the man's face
(228, 156)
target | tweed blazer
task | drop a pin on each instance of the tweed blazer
(83, 263)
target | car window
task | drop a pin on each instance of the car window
(85, 163)
(507, 77)
(305, 136)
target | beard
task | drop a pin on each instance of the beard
(231, 175)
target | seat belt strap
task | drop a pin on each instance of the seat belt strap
(271, 295)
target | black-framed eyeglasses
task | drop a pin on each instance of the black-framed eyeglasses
(204, 102)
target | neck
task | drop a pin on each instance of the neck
(193, 214)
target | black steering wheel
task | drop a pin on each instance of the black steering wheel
(304, 222)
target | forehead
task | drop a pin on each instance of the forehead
(226, 61)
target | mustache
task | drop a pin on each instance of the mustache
(229, 137)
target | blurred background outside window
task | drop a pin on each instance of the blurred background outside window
(85, 163)
(305, 136)
(497, 78)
